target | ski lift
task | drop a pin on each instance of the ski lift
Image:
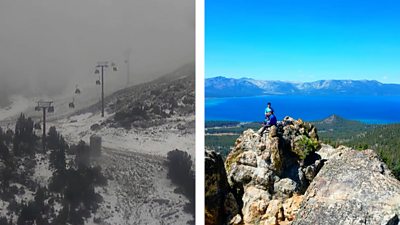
(77, 90)
(50, 109)
(98, 82)
(96, 71)
(72, 104)
(37, 108)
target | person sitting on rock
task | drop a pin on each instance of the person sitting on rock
(270, 120)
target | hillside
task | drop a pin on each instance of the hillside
(58, 185)
(333, 130)
(381, 138)
(154, 117)
(231, 87)
(220, 135)
(225, 87)
(338, 128)
(89, 99)
(154, 103)
(143, 124)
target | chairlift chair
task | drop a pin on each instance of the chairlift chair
(72, 104)
(98, 82)
(50, 109)
(77, 90)
(114, 66)
(96, 71)
(37, 108)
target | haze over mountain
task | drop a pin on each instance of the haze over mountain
(47, 47)
(231, 87)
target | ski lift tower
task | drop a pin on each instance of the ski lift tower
(102, 66)
(127, 61)
(44, 106)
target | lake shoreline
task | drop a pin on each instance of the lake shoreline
(365, 109)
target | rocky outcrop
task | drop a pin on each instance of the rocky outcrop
(150, 104)
(271, 171)
(353, 187)
(221, 204)
(286, 177)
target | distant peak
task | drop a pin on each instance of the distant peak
(246, 78)
(321, 87)
(301, 82)
(332, 118)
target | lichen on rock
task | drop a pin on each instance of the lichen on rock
(353, 183)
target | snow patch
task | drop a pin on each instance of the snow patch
(42, 172)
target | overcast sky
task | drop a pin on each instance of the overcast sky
(47, 46)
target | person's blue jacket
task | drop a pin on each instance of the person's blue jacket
(271, 120)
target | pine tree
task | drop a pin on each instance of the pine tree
(82, 159)
(24, 137)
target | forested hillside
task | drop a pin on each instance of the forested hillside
(334, 130)
(384, 139)
(221, 135)
(52, 186)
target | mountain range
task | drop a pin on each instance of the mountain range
(242, 87)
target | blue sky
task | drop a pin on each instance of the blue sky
(303, 40)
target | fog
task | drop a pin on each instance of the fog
(49, 46)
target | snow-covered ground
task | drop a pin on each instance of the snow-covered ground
(156, 140)
(42, 173)
(3, 208)
(138, 192)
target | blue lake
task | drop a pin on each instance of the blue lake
(368, 109)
